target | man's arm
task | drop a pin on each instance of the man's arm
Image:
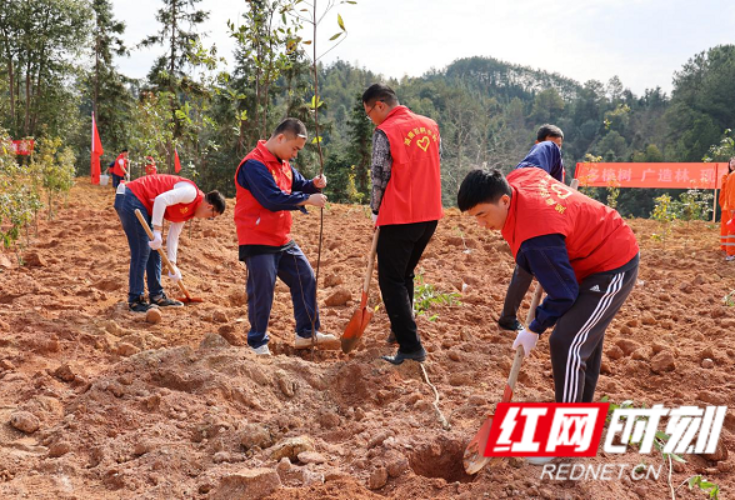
(256, 178)
(546, 257)
(300, 184)
(172, 240)
(380, 168)
(183, 192)
(546, 156)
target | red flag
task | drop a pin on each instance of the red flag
(97, 151)
(177, 162)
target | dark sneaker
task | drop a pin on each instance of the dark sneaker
(391, 340)
(139, 305)
(163, 301)
(400, 357)
(512, 326)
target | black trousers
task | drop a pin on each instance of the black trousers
(519, 284)
(400, 247)
(576, 342)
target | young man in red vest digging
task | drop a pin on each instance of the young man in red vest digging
(406, 203)
(159, 197)
(268, 189)
(582, 253)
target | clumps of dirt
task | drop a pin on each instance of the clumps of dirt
(153, 316)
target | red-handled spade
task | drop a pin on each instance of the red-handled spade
(361, 318)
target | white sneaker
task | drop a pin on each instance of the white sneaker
(321, 338)
(539, 460)
(262, 350)
(730, 257)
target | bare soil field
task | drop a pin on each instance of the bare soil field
(96, 403)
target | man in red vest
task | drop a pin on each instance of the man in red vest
(150, 166)
(159, 197)
(582, 253)
(406, 204)
(119, 168)
(268, 189)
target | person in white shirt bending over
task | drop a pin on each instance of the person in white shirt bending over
(159, 197)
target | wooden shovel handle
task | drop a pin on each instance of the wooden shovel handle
(164, 257)
(371, 261)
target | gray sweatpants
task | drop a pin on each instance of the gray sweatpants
(576, 342)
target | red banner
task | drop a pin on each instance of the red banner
(651, 175)
(23, 146)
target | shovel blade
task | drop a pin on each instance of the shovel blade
(190, 300)
(355, 329)
(474, 455)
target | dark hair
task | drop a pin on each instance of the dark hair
(125, 150)
(545, 131)
(482, 186)
(216, 199)
(292, 127)
(380, 92)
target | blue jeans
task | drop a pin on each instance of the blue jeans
(143, 260)
(296, 272)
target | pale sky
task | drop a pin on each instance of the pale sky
(641, 41)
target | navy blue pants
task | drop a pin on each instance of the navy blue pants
(116, 182)
(296, 272)
(143, 261)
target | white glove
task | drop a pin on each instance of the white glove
(374, 217)
(176, 275)
(157, 242)
(527, 339)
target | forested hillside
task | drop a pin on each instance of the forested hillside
(213, 107)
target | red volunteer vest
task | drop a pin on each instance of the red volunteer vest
(597, 238)
(256, 225)
(147, 188)
(413, 193)
(117, 170)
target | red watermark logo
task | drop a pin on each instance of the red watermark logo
(546, 429)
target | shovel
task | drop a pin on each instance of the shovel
(187, 299)
(361, 318)
(474, 454)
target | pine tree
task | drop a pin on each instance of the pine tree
(169, 73)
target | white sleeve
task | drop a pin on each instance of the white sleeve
(172, 240)
(183, 192)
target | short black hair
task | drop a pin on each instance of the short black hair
(125, 150)
(216, 199)
(547, 130)
(482, 186)
(379, 92)
(292, 127)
